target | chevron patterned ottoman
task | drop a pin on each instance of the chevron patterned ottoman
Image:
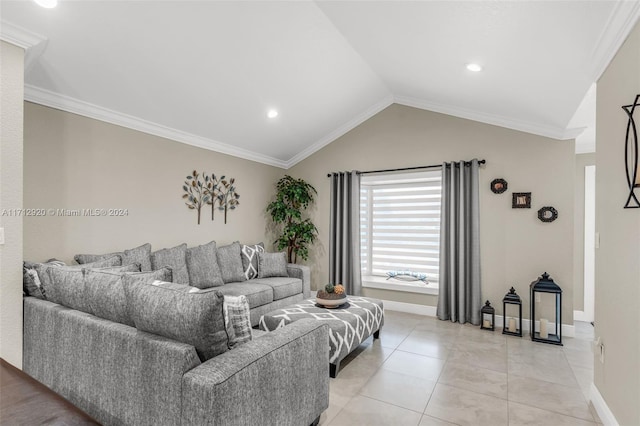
(349, 325)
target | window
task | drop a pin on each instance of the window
(400, 229)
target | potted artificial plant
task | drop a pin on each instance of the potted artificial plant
(293, 197)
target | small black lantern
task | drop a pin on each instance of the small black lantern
(545, 284)
(488, 314)
(513, 328)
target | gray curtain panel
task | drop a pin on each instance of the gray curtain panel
(460, 299)
(344, 232)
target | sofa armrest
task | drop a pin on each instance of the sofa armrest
(278, 379)
(304, 273)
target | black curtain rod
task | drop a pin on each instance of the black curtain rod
(433, 166)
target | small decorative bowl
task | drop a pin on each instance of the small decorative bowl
(331, 303)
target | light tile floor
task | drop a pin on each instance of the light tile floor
(427, 372)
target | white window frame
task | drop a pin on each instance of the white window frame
(394, 180)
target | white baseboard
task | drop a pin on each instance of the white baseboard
(430, 311)
(606, 416)
(410, 308)
(581, 316)
(567, 330)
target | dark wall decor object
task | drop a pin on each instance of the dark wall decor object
(514, 326)
(498, 186)
(202, 189)
(488, 314)
(227, 196)
(631, 158)
(547, 214)
(213, 187)
(521, 200)
(545, 284)
(196, 193)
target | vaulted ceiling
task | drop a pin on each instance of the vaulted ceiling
(207, 72)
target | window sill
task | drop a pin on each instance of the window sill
(394, 285)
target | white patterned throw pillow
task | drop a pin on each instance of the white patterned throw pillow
(237, 320)
(250, 259)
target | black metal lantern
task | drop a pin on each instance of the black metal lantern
(545, 284)
(513, 328)
(488, 314)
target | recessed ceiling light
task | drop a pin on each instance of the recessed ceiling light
(474, 67)
(272, 113)
(47, 4)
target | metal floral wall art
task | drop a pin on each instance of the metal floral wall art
(227, 196)
(203, 189)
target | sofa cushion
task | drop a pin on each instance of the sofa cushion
(202, 266)
(174, 257)
(67, 288)
(282, 286)
(104, 290)
(230, 262)
(90, 258)
(31, 283)
(237, 319)
(250, 259)
(141, 255)
(68, 284)
(50, 290)
(256, 294)
(187, 314)
(272, 265)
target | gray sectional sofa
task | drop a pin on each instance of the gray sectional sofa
(132, 348)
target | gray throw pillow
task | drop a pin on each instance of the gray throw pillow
(90, 258)
(237, 319)
(230, 263)
(50, 290)
(174, 257)
(186, 314)
(104, 291)
(202, 265)
(272, 265)
(67, 288)
(140, 254)
(31, 284)
(250, 259)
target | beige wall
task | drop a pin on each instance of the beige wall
(11, 116)
(516, 246)
(582, 160)
(617, 301)
(73, 162)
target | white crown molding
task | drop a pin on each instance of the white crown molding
(621, 21)
(603, 410)
(496, 120)
(351, 124)
(19, 36)
(33, 44)
(69, 104)
(585, 149)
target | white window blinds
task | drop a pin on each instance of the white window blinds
(400, 223)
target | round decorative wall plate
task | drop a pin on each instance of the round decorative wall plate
(498, 186)
(547, 214)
